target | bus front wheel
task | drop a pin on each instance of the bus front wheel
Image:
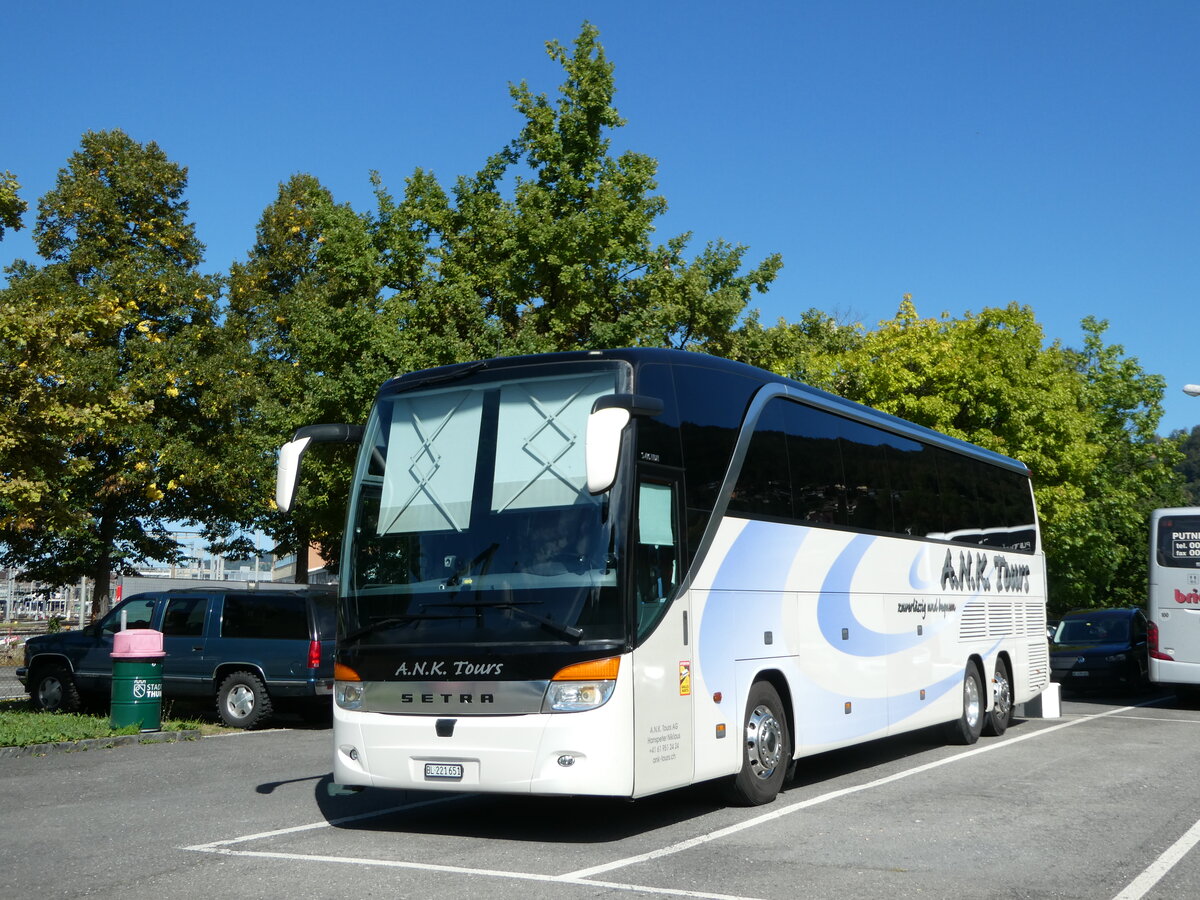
(766, 749)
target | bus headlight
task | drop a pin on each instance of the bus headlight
(347, 687)
(583, 686)
(348, 694)
(576, 696)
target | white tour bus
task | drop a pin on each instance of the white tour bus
(1173, 607)
(621, 572)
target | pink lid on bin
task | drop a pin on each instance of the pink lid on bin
(137, 643)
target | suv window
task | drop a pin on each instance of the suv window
(325, 614)
(185, 616)
(137, 615)
(265, 615)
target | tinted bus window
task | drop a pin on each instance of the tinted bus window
(868, 488)
(712, 405)
(815, 457)
(916, 497)
(961, 518)
(764, 485)
(1179, 542)
(658, 436)
(1013, 509)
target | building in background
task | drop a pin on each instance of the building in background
(22, 600)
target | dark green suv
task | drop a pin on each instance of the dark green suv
(253, 651)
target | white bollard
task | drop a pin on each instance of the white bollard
(1046, 705)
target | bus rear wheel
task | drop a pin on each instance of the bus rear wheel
(1000, 714)
(766, 749)
(968, 726)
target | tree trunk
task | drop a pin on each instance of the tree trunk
(302, 540)
(102, 568)
(100, 586)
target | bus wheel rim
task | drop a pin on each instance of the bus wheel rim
(972, 701)
(764, 742)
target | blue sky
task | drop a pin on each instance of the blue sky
(969, 153)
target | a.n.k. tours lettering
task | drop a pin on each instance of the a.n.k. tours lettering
(443, 668)
(972, 573)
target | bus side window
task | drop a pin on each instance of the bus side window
(656, 553)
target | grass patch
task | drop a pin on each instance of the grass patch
(21, 725)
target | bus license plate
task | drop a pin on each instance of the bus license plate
(444, 771)
(1080, 674)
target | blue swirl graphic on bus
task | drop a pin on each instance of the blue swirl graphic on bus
(825, 710)
(915, 579)
(760, 558)
(753, 573)
(841, 628)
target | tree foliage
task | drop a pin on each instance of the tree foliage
(319, 338)
(106, 434)
(1188, 466)
(12, 207)
(548, 246)
(1097, 540)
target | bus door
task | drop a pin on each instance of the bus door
(662, 664)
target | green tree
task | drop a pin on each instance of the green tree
(1101, 537)
(984, 377)
(811, 350)
(108, 434)
(1189, 466)
(318, 339)
(546, 247)
(12, 207)
(567, 261)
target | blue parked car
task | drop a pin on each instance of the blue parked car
(1100, 648)
(253, 651)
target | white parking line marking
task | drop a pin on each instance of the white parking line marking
(832, 795)
(585, 877)
(1141, 885)
(1159, 719)
(493, 873)
(331, 823)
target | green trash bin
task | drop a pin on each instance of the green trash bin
(137, 657)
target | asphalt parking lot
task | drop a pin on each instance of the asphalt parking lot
(1098, 804)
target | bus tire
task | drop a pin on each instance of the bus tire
(1000, 714)
(969, 725)
(766, 749)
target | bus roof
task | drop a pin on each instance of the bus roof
(638, 356)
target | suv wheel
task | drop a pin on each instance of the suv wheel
(53, 689)
(243, 701)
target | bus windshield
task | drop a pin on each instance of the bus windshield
(470, 519)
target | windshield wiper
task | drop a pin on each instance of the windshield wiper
(459, 372)
(567, 631)
(392, 621)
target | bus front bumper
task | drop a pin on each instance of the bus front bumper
(564, 754)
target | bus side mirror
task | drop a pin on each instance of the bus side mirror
(287, 475)
(602, 445)
(602, 448)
